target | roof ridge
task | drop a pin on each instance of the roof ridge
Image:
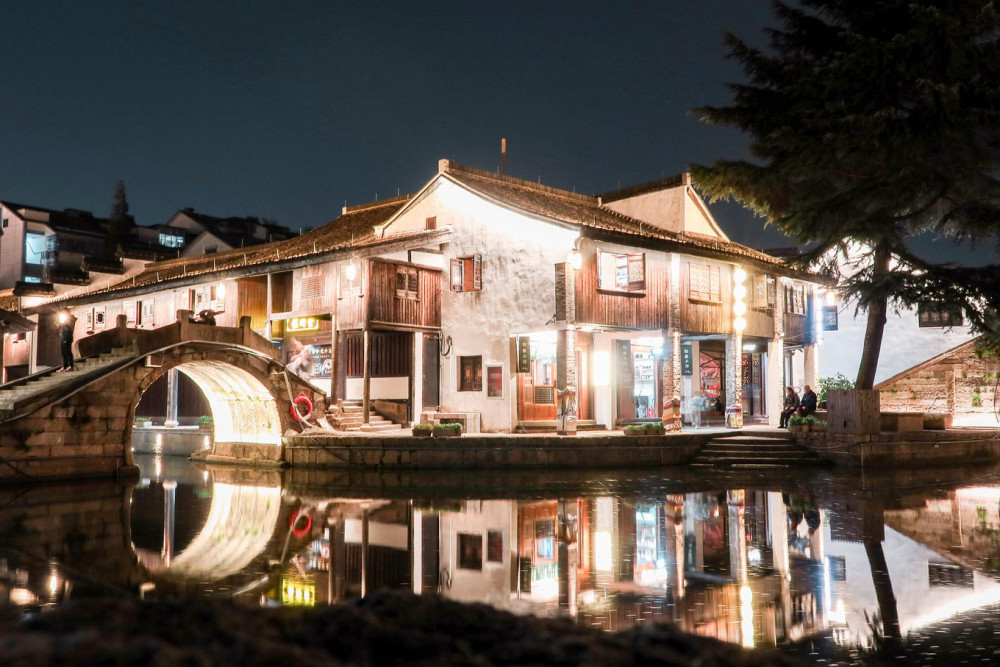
(683, 178)
(378, 203)
(504, 178)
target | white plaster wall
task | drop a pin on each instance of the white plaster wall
(491, 584)
(904, 344)
(380, 388)
(662, 208)
(11, 248)
(518, 291)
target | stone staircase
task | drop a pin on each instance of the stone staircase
(18, 392)
(771, 449)
(351, 416)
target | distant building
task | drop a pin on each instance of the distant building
(189, 233)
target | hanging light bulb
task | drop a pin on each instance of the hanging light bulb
(351, 271)
(739, 308)
(574, 259)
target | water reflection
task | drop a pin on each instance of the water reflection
(748, 558)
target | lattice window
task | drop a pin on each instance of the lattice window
(407, 283)
(939, 315)
(312, 287)
(705, 283)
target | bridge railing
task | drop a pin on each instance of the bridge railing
(143, 341)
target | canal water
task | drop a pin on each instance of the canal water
(821, 563)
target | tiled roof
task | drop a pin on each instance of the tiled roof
(586, 212)
(355, 228)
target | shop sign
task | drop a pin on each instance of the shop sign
(523, 354)
(687, 359)
(297, 324)
(322, 360)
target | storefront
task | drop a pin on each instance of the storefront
(306, 348)
(537, 398)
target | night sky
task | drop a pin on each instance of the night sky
(289, 110)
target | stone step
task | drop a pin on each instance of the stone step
(756, 460)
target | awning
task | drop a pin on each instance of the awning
(14, 323)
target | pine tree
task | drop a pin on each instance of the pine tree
(119, 220)
(872, 122)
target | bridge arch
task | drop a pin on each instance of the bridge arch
(80, 424)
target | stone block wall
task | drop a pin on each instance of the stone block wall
(960, 384)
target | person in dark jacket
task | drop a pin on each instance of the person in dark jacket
(67, 324)
(807, 405)
(791, 405)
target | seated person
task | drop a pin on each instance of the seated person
(807, 405)
(791, 405)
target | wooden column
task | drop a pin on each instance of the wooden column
(366, 409)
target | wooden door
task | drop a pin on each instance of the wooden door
(626, 379)
(431, 381)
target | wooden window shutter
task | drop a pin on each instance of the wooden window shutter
(413, 282)
(477, 279)
(716, 284)
(400, 283)
(637, 272)
(457, 280)
(431, 223)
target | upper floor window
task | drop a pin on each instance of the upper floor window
(407, 283)
(795, 300)
(763, 292)
(467, 274)
(34, 248)
(705, 283)
(171, 240)
(621, 272)
(939, 315)
(211, 249)
(431, 223)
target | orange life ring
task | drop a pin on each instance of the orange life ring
(300, 532)
(298, 415)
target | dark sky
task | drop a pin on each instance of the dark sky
(288, 109)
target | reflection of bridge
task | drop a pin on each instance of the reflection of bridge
(80, 424)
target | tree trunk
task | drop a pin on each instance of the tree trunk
(877, 309)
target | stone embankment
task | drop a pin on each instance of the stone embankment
(909, 449)
(496, 450)
(383, 629)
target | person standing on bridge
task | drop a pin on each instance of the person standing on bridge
(67, 326)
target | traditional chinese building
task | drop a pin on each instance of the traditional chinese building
(483, 297)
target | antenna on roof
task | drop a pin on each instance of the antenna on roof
(503, 156)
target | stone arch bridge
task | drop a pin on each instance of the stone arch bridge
(59, 425)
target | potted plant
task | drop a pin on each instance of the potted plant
(798, 424)
(205, 422)
(143, 422)
(423, 430)
(639, 430)
(447, 430)
(816, 425)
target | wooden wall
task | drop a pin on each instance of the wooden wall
(704, 317)
(386, 307)
(252, 300)
(642, 310)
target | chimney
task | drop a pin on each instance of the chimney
(442, 166)
(503, 156)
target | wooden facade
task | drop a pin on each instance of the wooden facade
(404, 294)
(706, 315)
(252, 300)
(645, 309)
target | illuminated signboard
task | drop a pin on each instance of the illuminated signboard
(296, 324)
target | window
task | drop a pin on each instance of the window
(470, 373)
(470, 551)
(494, 381)
(795, 300)
(146, 312)
(171, 240)
(407, 283)
(467, 274)
(431, 223)
(939, 315)
(5, 222)
(34, 248)
(494, 546)
(705, 283)
(32, 279)
(211, 249)
(621, 273)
